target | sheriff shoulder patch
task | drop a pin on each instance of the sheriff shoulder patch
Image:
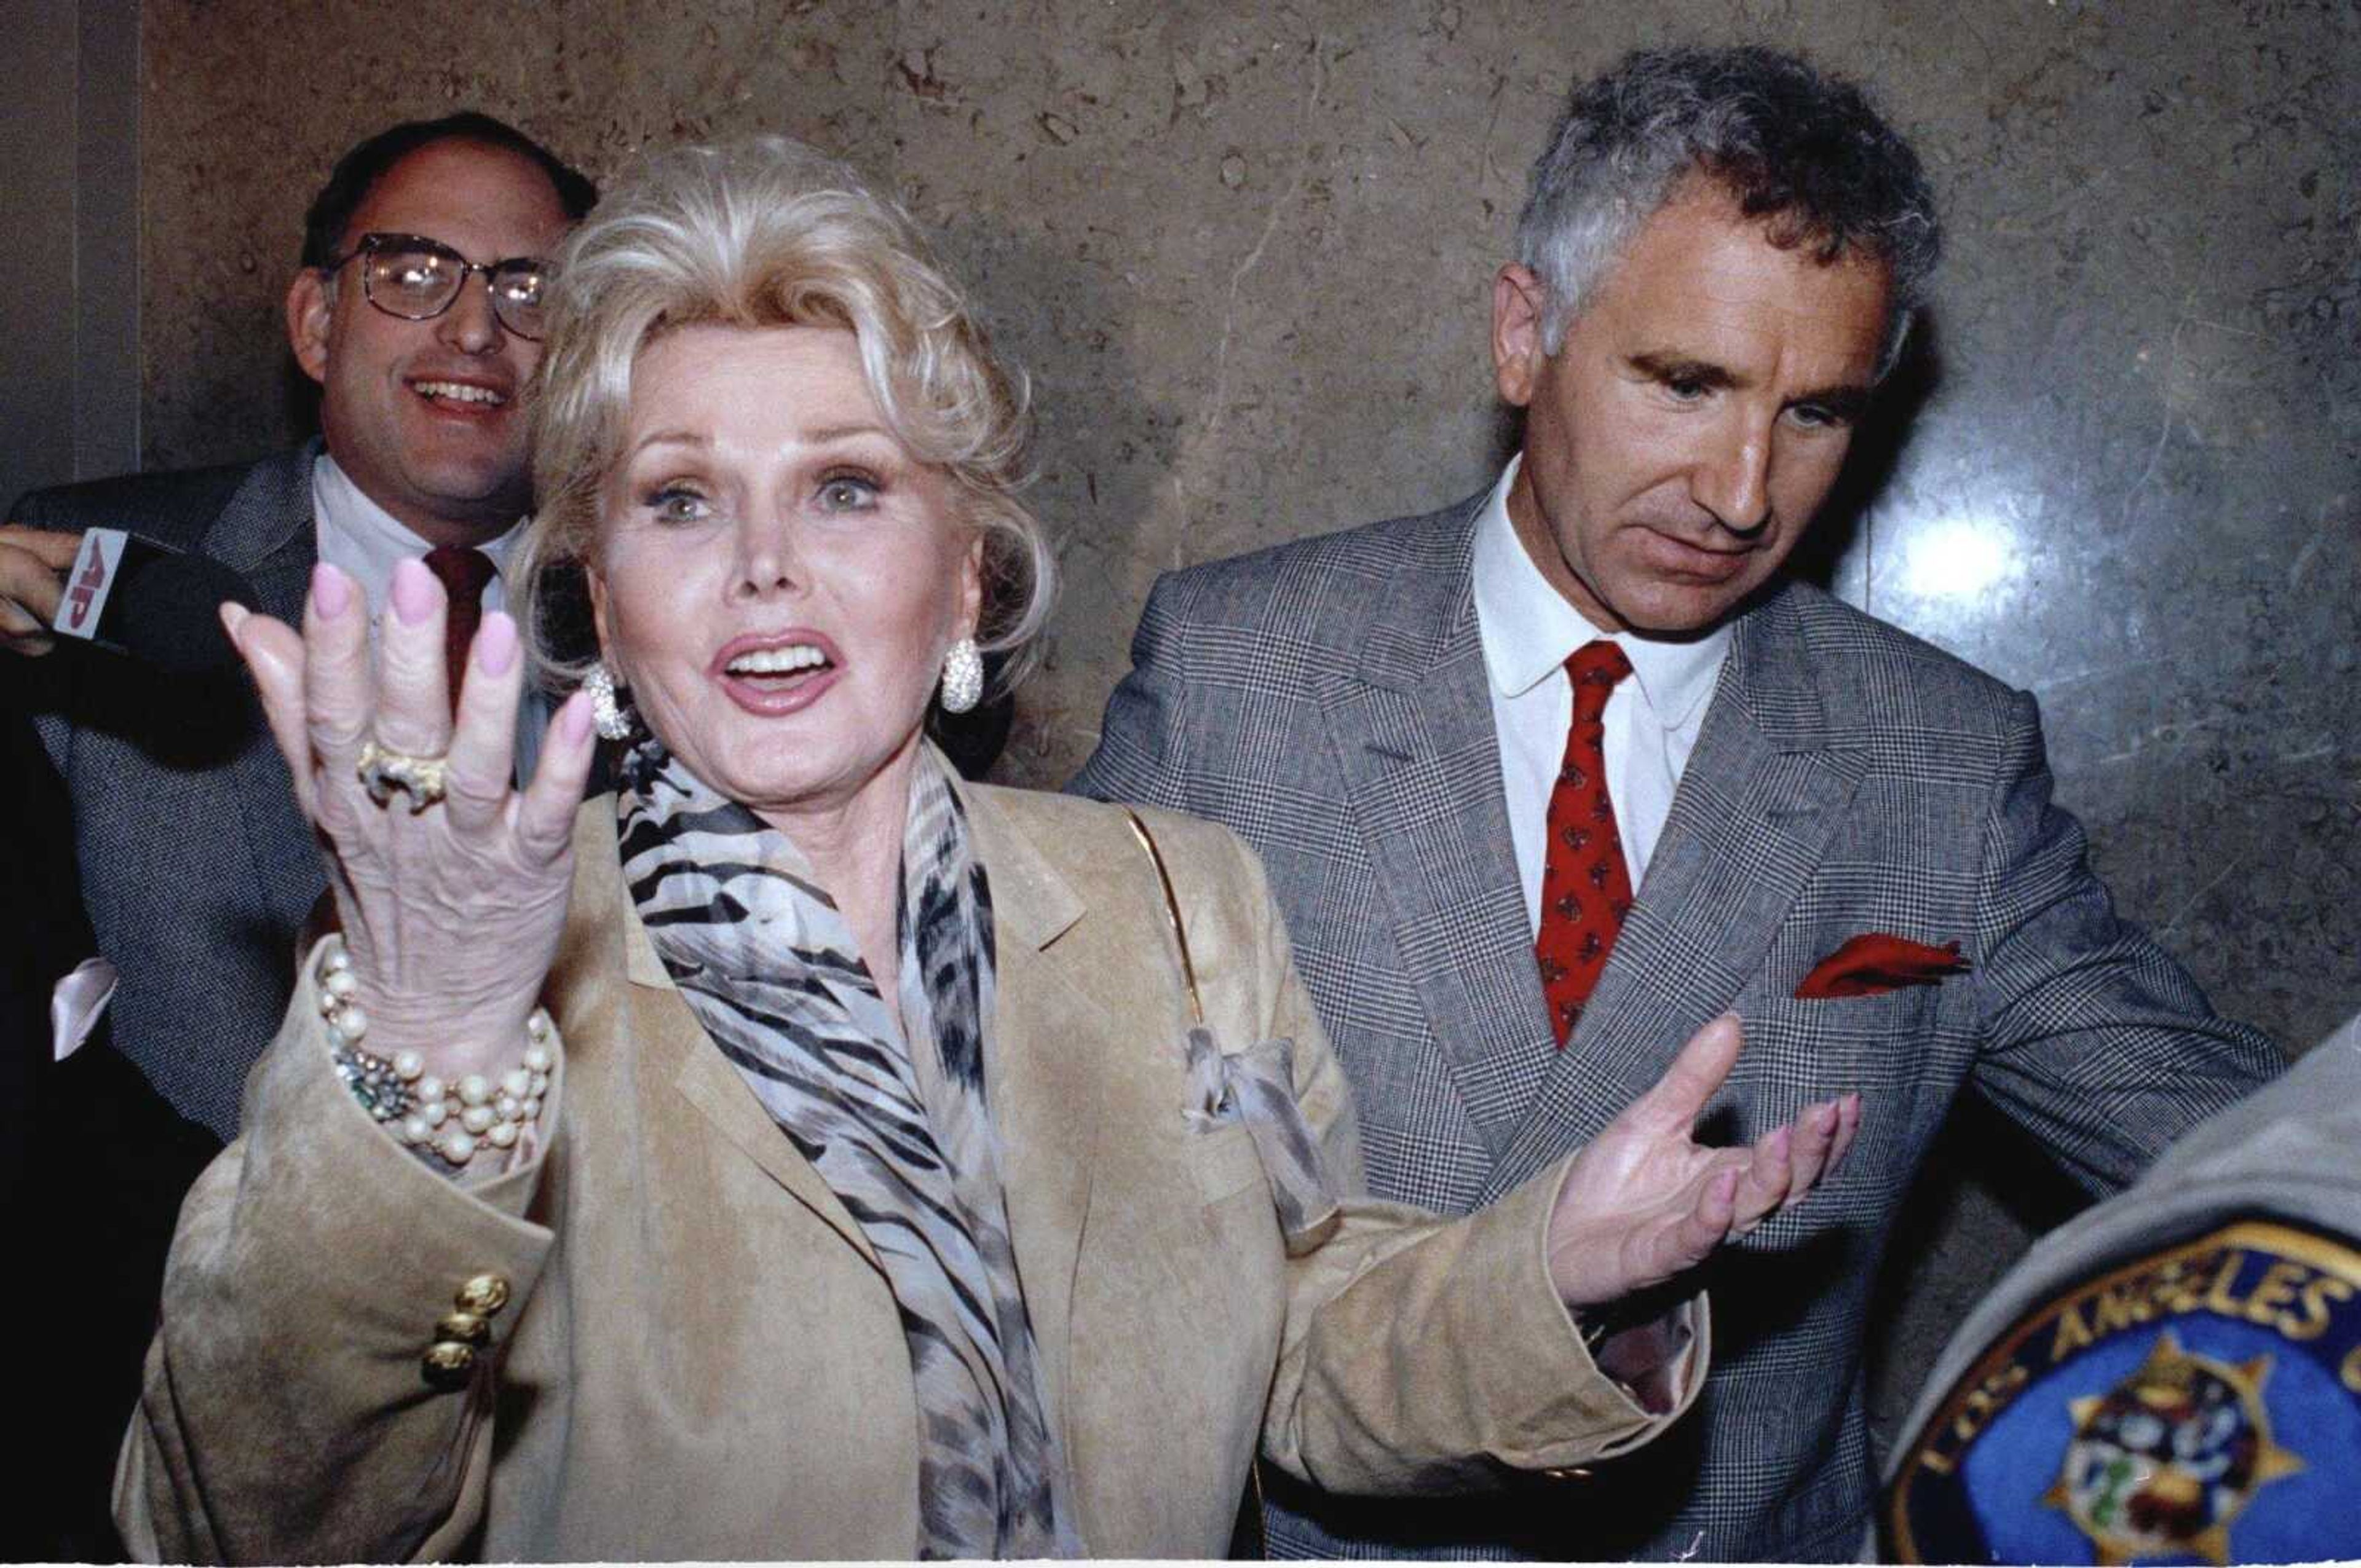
(2200, 1405)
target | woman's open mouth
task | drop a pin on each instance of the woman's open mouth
(777, 674)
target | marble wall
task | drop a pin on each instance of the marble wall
(1245, 252)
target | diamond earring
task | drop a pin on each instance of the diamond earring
(962, 677)
(609, 714)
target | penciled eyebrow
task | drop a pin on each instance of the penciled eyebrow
(827, 435)
(1845, 402)
(669, 438)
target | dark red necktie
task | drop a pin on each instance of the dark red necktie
(1585, 887)
(463, 573)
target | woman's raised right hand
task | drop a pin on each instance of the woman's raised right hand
(452, 912)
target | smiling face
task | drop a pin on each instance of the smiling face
(424, 416)
(776, 577)
(1696, 415)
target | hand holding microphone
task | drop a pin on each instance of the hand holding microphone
(124, 593)
(33, 562)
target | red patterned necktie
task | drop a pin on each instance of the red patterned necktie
(463, 573)
(1586, 888)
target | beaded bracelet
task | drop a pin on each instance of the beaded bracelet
(445, 1121)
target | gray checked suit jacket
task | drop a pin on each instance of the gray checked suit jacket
(196, 866)
(1327, 700)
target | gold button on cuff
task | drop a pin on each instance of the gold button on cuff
(484, 1295)
(464, 1328)
(448, 1365)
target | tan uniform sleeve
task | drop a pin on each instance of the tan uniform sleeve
(287, 1414)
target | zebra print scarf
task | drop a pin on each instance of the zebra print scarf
(902, 1136)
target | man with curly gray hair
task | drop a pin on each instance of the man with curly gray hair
(1547, 778)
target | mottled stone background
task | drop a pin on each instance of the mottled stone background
(1246, 253)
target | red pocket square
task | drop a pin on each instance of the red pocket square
(1873, 964)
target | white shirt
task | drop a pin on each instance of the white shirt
(1529, 631)
(365, 542)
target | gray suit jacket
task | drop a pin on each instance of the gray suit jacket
(196, 867)
(1327, 700)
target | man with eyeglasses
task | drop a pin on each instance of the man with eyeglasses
(417, 308)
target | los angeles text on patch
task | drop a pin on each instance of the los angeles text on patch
(2202, 1404)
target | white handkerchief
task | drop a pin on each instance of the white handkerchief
(77, 1002)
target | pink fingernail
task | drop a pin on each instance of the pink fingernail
(414, 591)
(332, 591)
(496, 645)
(573, 719)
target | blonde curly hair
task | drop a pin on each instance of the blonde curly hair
(758, 232)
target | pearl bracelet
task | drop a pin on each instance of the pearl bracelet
(449, 1122)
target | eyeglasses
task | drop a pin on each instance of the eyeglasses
(416, 278)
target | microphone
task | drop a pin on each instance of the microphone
(149, 602)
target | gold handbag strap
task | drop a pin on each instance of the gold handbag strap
(1171, 913)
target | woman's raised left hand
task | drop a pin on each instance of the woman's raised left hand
(1644, 1201)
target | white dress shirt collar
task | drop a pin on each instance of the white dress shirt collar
(1530, 630)
(366, 542)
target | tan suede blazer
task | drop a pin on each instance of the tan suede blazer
(699, 1356)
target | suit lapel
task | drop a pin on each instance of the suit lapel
(266, 529)
(1046, 1082)
(266, 535)
(708, 1082)
(1761, 795)
(666, 1028)
(1420, 761)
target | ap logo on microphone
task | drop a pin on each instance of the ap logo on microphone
(95, 569)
